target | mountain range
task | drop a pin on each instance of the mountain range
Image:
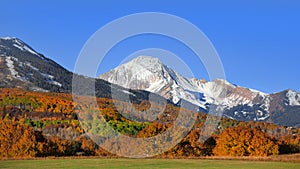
(22, 67)
(150, 74)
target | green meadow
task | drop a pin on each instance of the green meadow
(145, 163)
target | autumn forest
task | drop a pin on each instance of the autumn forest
(39, 124)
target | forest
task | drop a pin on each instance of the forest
(39, 124)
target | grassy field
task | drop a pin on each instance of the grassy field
(145, 163)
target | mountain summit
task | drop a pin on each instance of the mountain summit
(150, 74)
(22, 66)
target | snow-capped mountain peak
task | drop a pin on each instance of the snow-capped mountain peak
(150, 74)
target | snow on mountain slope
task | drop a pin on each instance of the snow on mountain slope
(20, 45)
(293, 98)
(22, 66)
(150, 74)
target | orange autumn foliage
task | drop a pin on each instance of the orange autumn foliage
(245, 141)
(16, 139)
(52, 113)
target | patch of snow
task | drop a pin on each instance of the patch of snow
(38, 89)
(18, 42)
(244, 113)
(32, 67)
(21, 64)
(156, 86)
(3, 46)
(50, 79)
(225, 115)
(25, 48)
(128, 92)
(266, 104)
(259, 92)
(175, 100)
(19, 47)
(263, 118)
(10, 64)
(54, 82)
(29, 50)
(293, 98)
(47, 75)
(7, 38)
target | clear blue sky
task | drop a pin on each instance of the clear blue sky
(257, 41)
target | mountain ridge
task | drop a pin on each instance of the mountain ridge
(22, 67)
(150, 74)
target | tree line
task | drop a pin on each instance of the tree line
(30, 123)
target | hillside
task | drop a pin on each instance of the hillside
(54, 129)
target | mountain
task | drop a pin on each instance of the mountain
(23, 67)
(150, 74)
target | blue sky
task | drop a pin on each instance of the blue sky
(257, 41)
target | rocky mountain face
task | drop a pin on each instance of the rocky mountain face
(150, 74)
(22, 67)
